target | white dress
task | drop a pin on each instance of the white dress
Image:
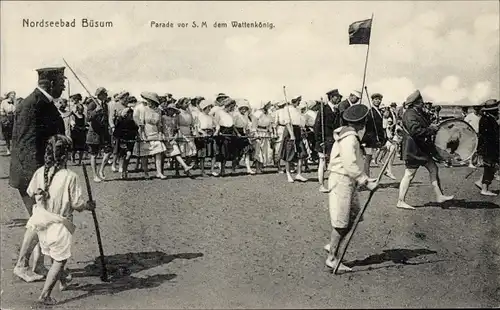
(53, 219)
(151, 135)
(262, 145)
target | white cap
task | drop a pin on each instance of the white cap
(242, 103)
(356, 93)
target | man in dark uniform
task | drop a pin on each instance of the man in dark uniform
(326, 122)
(489, 144)
(36, 120)
(353, 98)
(418, 148)
(374, 137)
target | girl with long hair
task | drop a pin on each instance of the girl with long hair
(57, 193)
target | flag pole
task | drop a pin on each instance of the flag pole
(366, 62)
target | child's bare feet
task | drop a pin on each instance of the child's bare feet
(332, 262)
(48, 301)
(403, 205)
(26, 274)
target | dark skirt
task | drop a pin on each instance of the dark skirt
(124, 146)
(206, 146)
(7, 123)
(293, 150)
(226, 144)
(243, 145)
(79, 137)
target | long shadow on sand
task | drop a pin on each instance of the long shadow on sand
(463, 204)
(120, 268)
(397, 256)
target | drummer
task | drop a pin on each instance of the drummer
(418, 149)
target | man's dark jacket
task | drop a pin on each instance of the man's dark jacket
(418, 145)
(36, 119)
(331, 121)
(374, 136)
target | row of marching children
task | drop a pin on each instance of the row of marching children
(187, 131)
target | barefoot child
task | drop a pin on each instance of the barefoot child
(346, 174)
(57, 193)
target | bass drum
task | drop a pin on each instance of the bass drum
(456, 141)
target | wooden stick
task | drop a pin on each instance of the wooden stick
(104, 272)
(323, 127)
(366, 65)
(360, 214)
(81, 83)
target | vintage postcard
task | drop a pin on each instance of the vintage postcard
(249, 154)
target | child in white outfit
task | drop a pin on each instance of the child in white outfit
(57, 193)
(346, 174)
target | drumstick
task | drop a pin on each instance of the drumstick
(104, 272)
(361, 212)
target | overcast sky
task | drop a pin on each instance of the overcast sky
(448, 50)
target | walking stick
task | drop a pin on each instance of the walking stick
(360, 214)
(104, 272)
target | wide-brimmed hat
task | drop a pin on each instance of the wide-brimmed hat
(413, 97)
(355, 113)
(281, 103)
(228, 102)
(490, 105)
(294, 100)
(182, 101)
(76, 97)
(394, 104)
(312, 103)
(122, 95)
(377, 96)
(205, 104)
(302, 105)
(100, 90)
(221, 95)
(7, 94)
(243, 103)
(173, 107)
(131, 101)
(150, 96)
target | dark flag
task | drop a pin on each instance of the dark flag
(359, 32)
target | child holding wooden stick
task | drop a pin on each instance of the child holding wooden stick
(346, 174)
(57, 193)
